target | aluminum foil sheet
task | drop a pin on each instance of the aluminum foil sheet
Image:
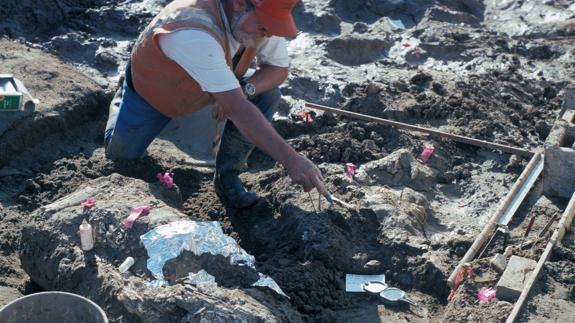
(202, 277)
(266, 281)
(168, 241)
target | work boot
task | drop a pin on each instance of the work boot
(233, 155)
(230, 161)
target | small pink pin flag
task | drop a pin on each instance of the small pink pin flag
(306, 116)
(426, 154)
(89, 203)
(486, 294)
(136, 212)
(166, 179)
(350, 169)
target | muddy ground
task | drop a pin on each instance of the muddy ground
(492, 70)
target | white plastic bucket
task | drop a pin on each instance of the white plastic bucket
(58, 307)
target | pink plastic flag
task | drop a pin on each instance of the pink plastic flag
(425, 154)
(166, 179)
(486, 294)
(350, 169)
(136, 212)
(89, 203)
(306, 116)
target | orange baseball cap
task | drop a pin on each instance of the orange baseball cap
(275, 16)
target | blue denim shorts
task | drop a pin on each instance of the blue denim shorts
(136, 124)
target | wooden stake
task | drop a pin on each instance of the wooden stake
(401, 125)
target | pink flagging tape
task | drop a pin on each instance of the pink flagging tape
(486, 294)
(350, 169)
(426, 154)
(89, 203)
(166, 179)
(136, 212)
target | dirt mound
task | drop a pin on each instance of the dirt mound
(51, 255)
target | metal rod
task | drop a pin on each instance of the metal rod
(401, 125)
(311, 201)
(529, 226)
(548, 225)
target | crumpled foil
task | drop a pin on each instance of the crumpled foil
(267, 281)
(202, 277)
(168, 241)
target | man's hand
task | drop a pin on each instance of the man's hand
(253, 125)
(304, 172)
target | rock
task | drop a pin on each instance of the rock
(559, 169)
(451, 16)
(396, 215)
(52, 257)
(400, 169)
(421, 79)
(360, 27)
(372, 264)
(513, 279)
(438, 88)
(498, 262)
(400, 111)
(8, 294)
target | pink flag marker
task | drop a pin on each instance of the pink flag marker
(486, 294)
(350, 169)
(89, 203)
(426, 154)
(136, 212)
(166, 179)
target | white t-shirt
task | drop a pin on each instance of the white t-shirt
(204, 59)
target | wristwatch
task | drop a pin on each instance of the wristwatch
(250, 90)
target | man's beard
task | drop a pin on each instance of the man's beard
(245, 39)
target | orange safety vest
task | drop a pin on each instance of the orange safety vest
(160, 80)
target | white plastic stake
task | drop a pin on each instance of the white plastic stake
(129, 262)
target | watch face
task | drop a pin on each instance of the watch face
(250, 89)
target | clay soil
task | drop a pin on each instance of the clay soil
(492, 70)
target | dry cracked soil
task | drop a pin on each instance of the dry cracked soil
(491, 70)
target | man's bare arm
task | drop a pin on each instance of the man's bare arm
(254, 126)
